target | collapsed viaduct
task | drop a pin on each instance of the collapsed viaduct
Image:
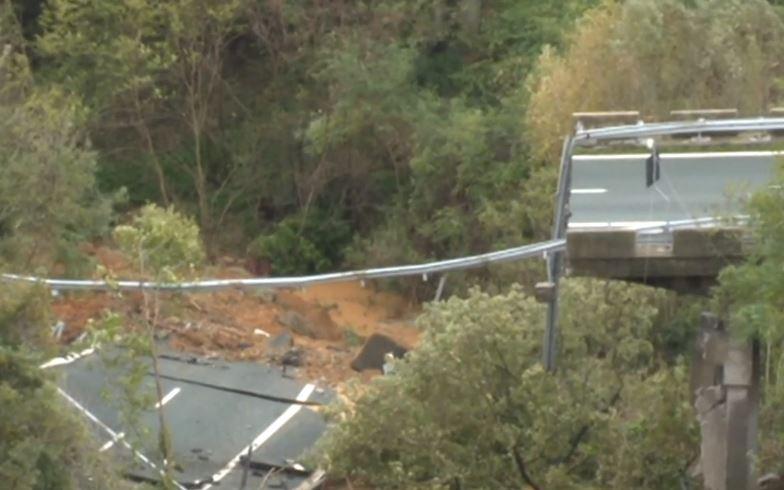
(655, 203)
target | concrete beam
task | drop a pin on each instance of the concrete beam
(710, 242)
(601, 244)
(690, 263)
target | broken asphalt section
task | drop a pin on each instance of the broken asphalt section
(229, 422)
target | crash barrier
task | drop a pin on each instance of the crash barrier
(471, 262)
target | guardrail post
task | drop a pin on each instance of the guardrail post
(554, 259)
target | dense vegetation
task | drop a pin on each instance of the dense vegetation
(43, 445)
(473, 408)
(313, 135)
(751, 297)
(318, 134)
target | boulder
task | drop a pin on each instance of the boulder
(371, 356)
(771, 481)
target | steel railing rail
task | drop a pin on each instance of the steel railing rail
(606, 135)
(541, 249)
(675, 128)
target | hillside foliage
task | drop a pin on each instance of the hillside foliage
(472, 407)
(43, 442)
(314, 135)
(751, 296)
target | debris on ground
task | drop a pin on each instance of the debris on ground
(319, 330)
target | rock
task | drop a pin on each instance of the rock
(297, 323)
(771, 481)
(171, 321)
(281, 342)
(266, 295)
(275, 481)
(293, 357)
(373, 352)
(305, 318)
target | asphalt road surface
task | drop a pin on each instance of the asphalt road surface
(214, 411)
(610, 191)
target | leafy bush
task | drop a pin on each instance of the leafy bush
(303, 243)
(49, 202)
(25, 318)
(162, 242)
(751, 295)
(655, 56)
(43, 444)
(473, 408)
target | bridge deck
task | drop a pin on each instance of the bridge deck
(609, 204)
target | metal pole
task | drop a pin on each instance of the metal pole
(554, 259)
(440, 290)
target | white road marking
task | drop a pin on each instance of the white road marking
(264, 436)
(616, 224)
(678, 156)
(648, 225)
(111, 442)
(113, 434)
(167, 398)
(60, 361)
(633, 225)
(589, 191)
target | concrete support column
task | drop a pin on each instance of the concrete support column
(725, 380)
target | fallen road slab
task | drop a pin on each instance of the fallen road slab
(229, 421)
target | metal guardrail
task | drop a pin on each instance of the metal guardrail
(675, 128)
(541, 249)
(607, 135)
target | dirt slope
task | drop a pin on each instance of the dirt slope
(327, 322)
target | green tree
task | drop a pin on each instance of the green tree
(655, 56)
(376, 115)
(165, 246)
(48, 198)
(473, 408)
(43, 443)
(751, 296)
(143, 66)
(433, 118)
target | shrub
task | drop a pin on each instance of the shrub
(473, 408)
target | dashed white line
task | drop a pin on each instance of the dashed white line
(111, 442)
(616, 224)
(264, 436)
(589, 191)
(113, 434)
(167, 398)
(60, 361)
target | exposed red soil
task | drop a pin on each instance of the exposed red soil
(328, 322)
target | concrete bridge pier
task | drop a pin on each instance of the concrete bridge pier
(725, 380)
(725, 374)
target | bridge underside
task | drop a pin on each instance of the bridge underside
(686, 260)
